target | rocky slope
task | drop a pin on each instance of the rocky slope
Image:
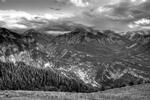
(97, 60)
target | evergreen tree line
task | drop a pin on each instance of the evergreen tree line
(23, 77)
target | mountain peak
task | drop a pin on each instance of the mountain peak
(6, 33)
(30, 32)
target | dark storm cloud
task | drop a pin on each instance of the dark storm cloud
(127, 14)
(130, 8)
(141, 14)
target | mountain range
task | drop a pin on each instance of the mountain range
(82, 60)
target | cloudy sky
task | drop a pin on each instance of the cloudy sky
(119, 15)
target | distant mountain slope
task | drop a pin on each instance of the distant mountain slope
(97, 60)
(139, 92)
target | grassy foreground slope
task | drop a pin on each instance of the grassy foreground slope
(139, 92)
